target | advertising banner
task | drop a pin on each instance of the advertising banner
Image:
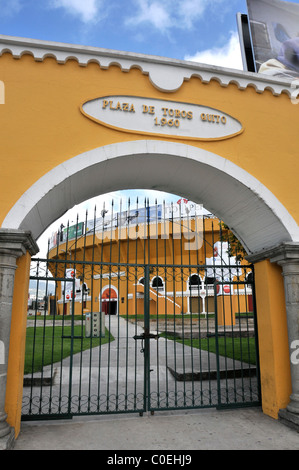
(74, 231)
(274, 27)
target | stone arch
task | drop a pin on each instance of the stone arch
(253, 213)
(261, 222)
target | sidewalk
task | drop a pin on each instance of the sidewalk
(197, 429)
(206, 429)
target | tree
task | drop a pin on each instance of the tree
(235, 247)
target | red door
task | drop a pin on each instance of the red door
(109, 296)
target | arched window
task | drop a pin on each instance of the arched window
(194, 280)
(157, 282)
(141, 281)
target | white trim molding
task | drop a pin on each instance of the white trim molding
(258, 218)
(165, 74)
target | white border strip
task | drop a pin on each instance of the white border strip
(62, 172)
(165, 74)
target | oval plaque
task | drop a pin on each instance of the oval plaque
(161, 117)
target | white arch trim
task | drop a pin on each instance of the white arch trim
(152, 280)
(108, 287)
(254, 214)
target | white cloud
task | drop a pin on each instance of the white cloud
(190, 11)
(87, 10)
(229, 55)
(166, 14)
(151, 12)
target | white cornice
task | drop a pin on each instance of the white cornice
(165, 74)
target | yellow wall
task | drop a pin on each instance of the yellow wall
(42, 126)
(15, 373)
(273, 338)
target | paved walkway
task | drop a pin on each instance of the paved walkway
(172, 430)
(206, 429)
(113, 377)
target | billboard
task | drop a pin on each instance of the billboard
(274, 29)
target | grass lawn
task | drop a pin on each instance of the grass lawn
(240, 349)
(60, 318)
(45, 346)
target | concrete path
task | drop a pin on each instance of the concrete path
(200, 429)
(113, 377)
(206, 429)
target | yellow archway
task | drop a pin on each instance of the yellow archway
(228, 140)
(173, 167)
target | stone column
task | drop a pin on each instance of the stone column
(13, 244)
(287, 256)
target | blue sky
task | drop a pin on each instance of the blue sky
(200, 30)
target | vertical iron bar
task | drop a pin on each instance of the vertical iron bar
(207, 303)
(62, 326)
(215, 308)
(217, 347)
(189, 223)
(165, 234)
(44, 326)
(157, 313)
(109, 320)
(34, 336)
(100, 301)
(72, 323)
(58, 240)
(119, 241)
(181, 222)
(127, 300)
(240, 343)
(146, 339)
(82, 312)
(137, 235)
(174, 297)
(248, 335)
(256, 337)
(53, 334)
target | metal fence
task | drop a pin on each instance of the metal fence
(132, 323)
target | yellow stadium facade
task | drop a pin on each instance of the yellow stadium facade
(180, 281)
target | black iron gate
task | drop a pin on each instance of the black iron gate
(108, 335)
